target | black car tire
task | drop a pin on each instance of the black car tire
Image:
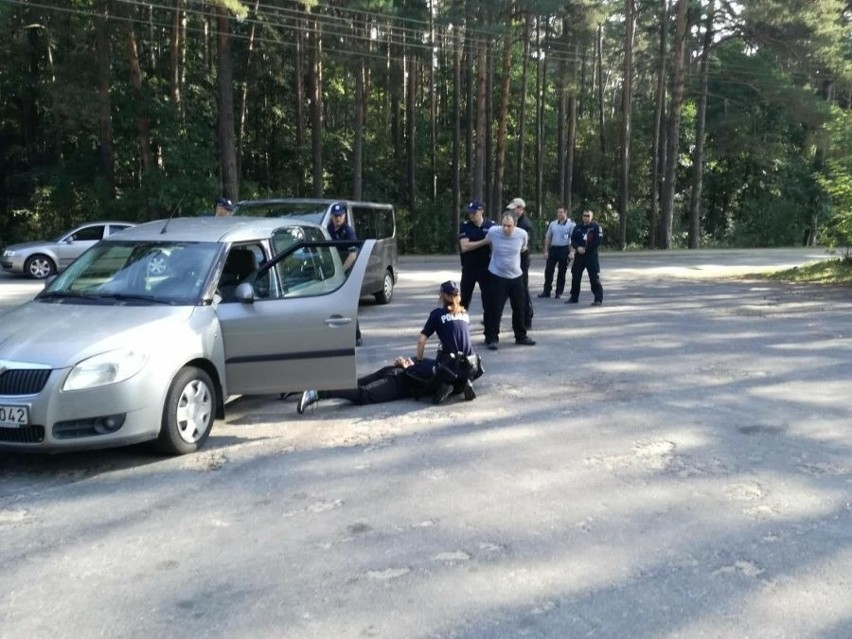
(386, 294)
(188, 413)
(39, 266)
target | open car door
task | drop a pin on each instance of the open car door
(291, 325)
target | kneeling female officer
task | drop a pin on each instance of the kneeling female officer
(457, 365)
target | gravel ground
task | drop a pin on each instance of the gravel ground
(675, 463)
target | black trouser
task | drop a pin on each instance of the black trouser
(470, 277)
(590, 264)
(556, 255)
(375, 388)
(528, 305)
(499, 290)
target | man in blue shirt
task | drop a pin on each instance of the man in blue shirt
(557, 250)
(339, 229)
(475, 253)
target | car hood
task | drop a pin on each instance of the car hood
(29, 245)
(60, 335)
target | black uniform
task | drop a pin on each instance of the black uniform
(474, 264)
(589, 236)
(524, 223)
(388, 384)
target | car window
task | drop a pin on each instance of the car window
(115, 228)
(155, 271)
(241, 262)
(88, 234)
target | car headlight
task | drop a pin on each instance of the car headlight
(8, 253)
(107, 368)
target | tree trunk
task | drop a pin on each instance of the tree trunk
(299, 86)
(479, 160)
(457, 139)
(243, 104)
(539, 119)
(410, 128)
(522, 99)
(503, 113)
(143, 125)
(701, 116)
(626, 113)
(358, 144)
(433, 113)
(562, 115)
(106, 149)
(175, 52)
(489, 120)
(315, 89)
(225, 83)
(658, 158)
(573, 107)
(600, 101)
(673, 134)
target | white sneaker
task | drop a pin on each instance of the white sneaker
(308, 397)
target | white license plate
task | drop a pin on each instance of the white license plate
(14, 416)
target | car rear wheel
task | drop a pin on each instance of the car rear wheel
(189, 412)
(39, 266)
(386, 294)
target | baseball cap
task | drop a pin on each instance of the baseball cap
(337, 209)
(474, 206)
(223, 201)
(450, 287)
(516, 203)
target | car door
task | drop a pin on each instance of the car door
(299, 330)
(75, 243)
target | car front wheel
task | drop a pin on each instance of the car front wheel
(386, 294)
(189, 412)
(39, 266)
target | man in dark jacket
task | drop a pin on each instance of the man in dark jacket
(406, 378)
(519, 208)
(585, 241)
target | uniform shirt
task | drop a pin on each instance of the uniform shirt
(453, 329)
(559, 233)
(506, 252)
(343, 232)
(477, 258)
(587, 235)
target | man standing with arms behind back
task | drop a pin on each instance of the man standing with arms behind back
(522, 222)
(585, 240)
(506, 282)
(557, 250)
(475, 254)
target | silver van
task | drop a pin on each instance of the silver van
(371, 221)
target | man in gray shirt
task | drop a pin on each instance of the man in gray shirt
(506, 282)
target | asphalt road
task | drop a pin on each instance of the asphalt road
(675, 463)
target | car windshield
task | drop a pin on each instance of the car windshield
(137, 273)
(310, 211)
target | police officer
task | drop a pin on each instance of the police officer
(585, 240)
(339, 229)
(522, 222)
(557, 250)
(475, 253)
(450, 322)
(224, 207)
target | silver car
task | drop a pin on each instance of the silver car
(147, 333)
(42, 259)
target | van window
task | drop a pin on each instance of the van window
(373, 223)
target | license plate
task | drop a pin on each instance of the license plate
(14, 416)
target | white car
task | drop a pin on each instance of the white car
(42, 259)
(147, 333)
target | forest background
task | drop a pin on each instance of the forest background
(681, 123)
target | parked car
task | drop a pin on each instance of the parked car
(369, 219)
(42, 259)
(114, 351)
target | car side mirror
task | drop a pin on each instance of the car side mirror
(244, 293)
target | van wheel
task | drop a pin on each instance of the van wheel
(188, 413)
(386, 293)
